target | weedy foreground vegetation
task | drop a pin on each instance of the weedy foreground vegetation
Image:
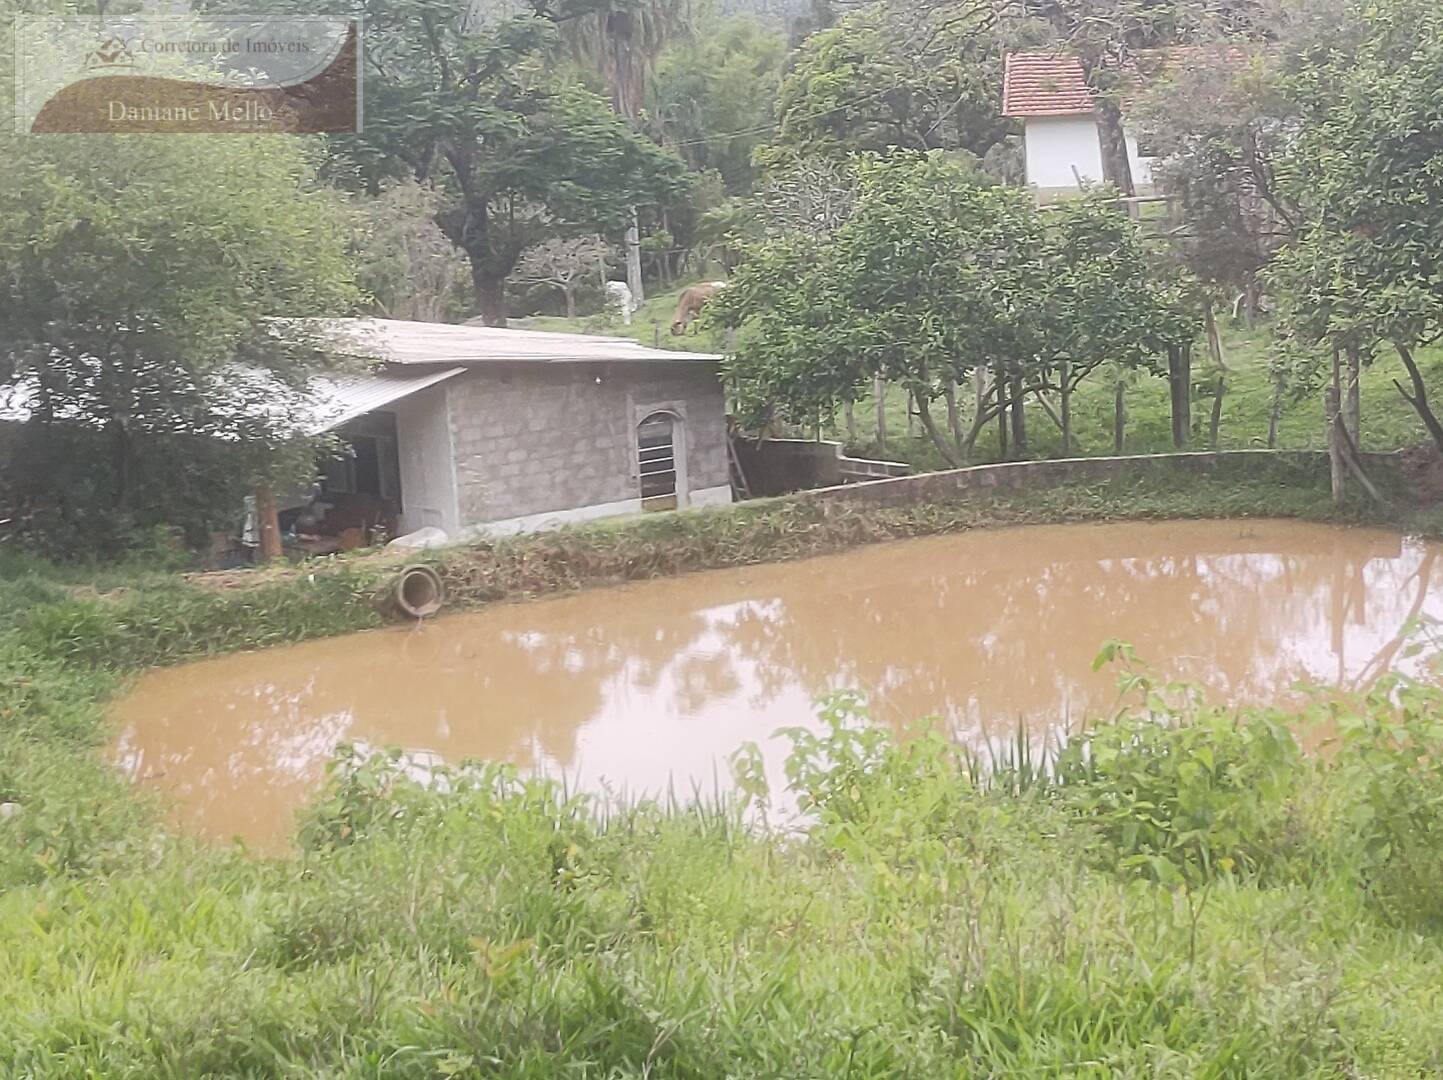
(1180, 892)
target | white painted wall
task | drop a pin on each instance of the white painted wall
(1055, 144)
(1141, 166)
(428, 474)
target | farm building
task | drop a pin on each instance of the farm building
(1048, 92)
(480, 430)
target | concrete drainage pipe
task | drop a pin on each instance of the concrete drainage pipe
(418, 592)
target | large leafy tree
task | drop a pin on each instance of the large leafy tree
(1221, 128)
(712, 96)
(484, 111)
(137, 278)
(899, 291)
(1367, 173)
(898, 74)
(623, 41)
(1099, 304)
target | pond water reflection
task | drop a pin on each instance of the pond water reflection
(645, 685)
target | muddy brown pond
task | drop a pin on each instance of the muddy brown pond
(637, 688)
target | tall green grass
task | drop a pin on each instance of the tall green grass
(920, 924)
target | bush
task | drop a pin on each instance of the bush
(1181, 792)
(1388, 781)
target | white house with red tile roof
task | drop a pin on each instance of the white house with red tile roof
(1048, 92)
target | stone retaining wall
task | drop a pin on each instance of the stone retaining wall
(1043, 475)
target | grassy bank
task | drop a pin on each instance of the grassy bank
(157, 618)
(1211, 904)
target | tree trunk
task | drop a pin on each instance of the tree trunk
(954, 419)
(570, 304)
(879, 394)
(633, 258)
(267, 524)
(849, 411)
(1353, 395)
(1419, 397)
(1179, 377)
(1215, 340)
(490, 293)
(1216, 422)
(669, 264)
(980, 392)
(1019, 416)
(911, 415)
(924, 413)
(1336, 469)
(1065, 382)
(1353, 458)
(1001, 384)
(1119, 417)
(1275, 413)
(121, 455)
(1116, 168)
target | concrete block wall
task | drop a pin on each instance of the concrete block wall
(531, 438)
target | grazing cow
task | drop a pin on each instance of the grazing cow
(691, 301)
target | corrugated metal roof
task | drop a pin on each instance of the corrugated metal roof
(331, 401)
(400, 342)
(1045, 84)
(341, 400)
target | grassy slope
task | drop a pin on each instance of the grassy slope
(949, 932)
(650, 326)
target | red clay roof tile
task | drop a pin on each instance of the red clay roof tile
(1045, 84)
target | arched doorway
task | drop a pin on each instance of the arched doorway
(661, 464)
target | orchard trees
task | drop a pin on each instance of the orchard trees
(936, 278)
(1102, 306)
